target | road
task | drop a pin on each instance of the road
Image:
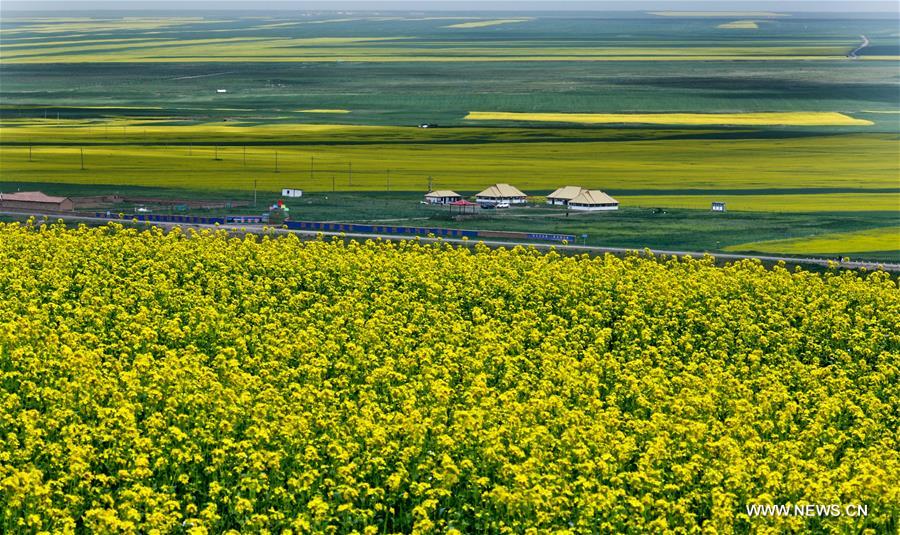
(591, 249)
(864, 44)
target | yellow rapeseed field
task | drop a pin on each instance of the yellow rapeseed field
(861, 241)
(809, 118)
(485, 23)
(185, 382)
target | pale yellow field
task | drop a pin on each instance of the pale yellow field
(432, 59)
(485, 23)
(741, 119)
(880, 239)
(106, 25)
(739, 25)
(323, 111)
(388, 49)
(717, 14)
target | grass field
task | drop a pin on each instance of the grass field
(824, 202)
(419, 39)
(666, 118)
(873, 240)
(703, 119)
(851, 172)
(634, 227)
(739, 25)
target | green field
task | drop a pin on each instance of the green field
(631, 226)
(849, 172)
(863, 241)
(686, 109)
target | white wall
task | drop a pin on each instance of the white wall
(593, 208)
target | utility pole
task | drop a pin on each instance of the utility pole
(29, 153)
(245, 164)
(312, 160)
(190, 149)
(389, 180)
(82, 158)
(332, 184)
(276, 161)
(430, 183)
(216, 157)
(254, 192)
(350, 173)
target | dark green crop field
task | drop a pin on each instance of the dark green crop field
(403, 68)
(217, 101)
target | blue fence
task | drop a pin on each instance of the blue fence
(380, 229)
(345, 227)
(552, 237)
(162, 218)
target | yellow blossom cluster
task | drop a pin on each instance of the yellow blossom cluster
(204, 382)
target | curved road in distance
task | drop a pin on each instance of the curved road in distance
(864, 44)
(824, 262)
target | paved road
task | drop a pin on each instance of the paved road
(854, 264)
(864, 44)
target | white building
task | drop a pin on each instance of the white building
(288, 192)
(500, 193)
(593, 200)
(563, 195)
(442, 196)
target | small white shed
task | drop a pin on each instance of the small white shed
(289, 192)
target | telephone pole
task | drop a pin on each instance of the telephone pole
(350, 173)
(29, 153)
(82, 158)
(312, 160)
(245, 162)
(254, 193)
(276, 161)
(389, 180)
